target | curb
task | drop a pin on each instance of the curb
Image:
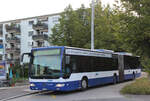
(5, 88)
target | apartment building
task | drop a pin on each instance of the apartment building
(21, 35)
(1, 42)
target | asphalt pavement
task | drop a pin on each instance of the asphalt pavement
(100, 93)
(11, 92)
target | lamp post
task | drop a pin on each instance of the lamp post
(92, 25)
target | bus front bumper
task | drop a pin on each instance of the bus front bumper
(66, 86)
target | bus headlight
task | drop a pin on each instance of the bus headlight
(60, 85)
(32, 84)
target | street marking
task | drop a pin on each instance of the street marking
(53, 96)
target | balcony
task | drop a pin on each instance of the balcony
(13, 28)
(13, 40)
(13, 50)
(39, 37)
(12, 60)
(40, 26)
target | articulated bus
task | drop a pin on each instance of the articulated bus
(62, 68)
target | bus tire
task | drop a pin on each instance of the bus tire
(84, 84)
(114, 79)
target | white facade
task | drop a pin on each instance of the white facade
(31, 35)
(27, 43)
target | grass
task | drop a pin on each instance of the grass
(139, 87)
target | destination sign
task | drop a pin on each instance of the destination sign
(47, 52)
(87, 53)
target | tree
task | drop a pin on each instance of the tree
(74, 28)
(137, 33)
(62, 32)
(107, 28)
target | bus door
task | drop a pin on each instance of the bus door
(121, 67)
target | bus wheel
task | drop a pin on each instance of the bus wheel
(84, 84)
(114, 79)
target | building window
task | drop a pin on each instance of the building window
(6, 35)
(30, 33)
(31, 22)
(17, 25)
(6, 56)
(40, 44)
(12, 45)
(1, 57)
(55, 19)
(12, 56)
(32, 44)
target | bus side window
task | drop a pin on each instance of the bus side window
(67, 65)
(70, 64)
(68, 69)
(73, 64)
(67, 60)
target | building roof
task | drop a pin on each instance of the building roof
(18, 20)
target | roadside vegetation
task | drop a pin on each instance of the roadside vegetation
(139, 87)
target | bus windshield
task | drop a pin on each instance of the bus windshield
(46, 64)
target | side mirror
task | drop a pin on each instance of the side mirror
(25, 58)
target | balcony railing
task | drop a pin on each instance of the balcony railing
(37, 46)
(13, 50)
(13, 28)
(40, 37)
(12, 60)
(40, 26)
(13, 40)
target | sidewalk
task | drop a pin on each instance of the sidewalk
(10, 92)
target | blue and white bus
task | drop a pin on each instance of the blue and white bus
(61, 68)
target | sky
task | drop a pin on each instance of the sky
(16, 9)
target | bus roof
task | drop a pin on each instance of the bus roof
(78, 51)
(67, 47)
(49, 47)
(96, 50)
(124, 53)
(105, 50)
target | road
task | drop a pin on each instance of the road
(101, 93)
(6, 93)
(11, 92)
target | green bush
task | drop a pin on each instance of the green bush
(140, 87)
